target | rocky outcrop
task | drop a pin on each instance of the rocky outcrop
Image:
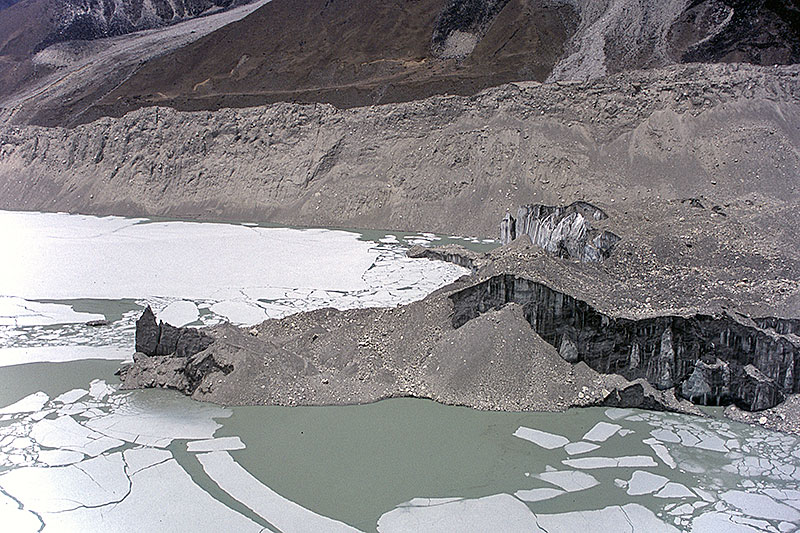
(711, 360)
(564, 231)
(159, 338)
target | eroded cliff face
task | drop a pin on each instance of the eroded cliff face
(712, 360)
(446, 164)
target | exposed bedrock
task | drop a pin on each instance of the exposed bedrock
(564, 231)
(711, 360)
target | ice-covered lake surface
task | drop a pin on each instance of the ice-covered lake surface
(76, 454)
(60, 271)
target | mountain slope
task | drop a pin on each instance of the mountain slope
(28, 26)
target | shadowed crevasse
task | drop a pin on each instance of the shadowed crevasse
(710, 360)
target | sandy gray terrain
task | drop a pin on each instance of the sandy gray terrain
(726, 133)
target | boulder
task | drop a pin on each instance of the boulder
(754, 391)
(640, 394)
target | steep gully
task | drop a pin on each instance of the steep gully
(709, 360)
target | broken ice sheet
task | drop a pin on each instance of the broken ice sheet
(15, 519)
(284, 514)
(240, 312)
(630, 517)
(93, 482)
(66, 434)
(15, 311)
(500, 512)
(157, 419)
(137, 459)
(761, 505)
(112, 248)
(59, 354)
(188, 508)
(59, 457)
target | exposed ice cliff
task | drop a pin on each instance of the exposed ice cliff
(564, 231)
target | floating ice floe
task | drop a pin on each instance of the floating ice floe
(29, 404)
(537, 495)
(675, 490)
(645, 483)
(616, 413)
(577, 448)
(215, 445)
(179, 313)
(541, 438)
(601, 432)
(630, 461)
(570, 480)
(71, 396)
(661, 451)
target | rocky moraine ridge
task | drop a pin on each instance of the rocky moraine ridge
(499, 338)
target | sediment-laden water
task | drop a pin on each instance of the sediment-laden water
(76, 454)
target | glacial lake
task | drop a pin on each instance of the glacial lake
(77, 454)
